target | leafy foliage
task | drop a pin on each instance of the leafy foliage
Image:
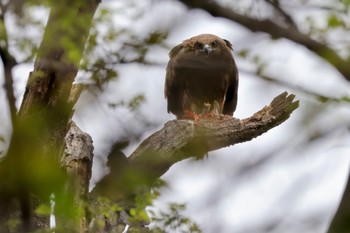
(173, 220)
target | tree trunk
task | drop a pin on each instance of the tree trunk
(32, 165)
(340, 222)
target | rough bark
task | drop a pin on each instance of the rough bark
(181, 139)
(77, 160)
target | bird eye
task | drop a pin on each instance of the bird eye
(214, 43)
(199, 45)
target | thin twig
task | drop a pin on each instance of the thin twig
(288, 19)
(284, 83)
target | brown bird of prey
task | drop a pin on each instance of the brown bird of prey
(201, 78)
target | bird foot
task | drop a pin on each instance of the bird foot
(213, 114)
(207, 107)
(190, 115)
(212, 110)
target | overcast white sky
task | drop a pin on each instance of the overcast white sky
(279, 182)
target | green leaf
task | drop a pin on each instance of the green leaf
(323, 99)
(243, 53)
(334, 21)
(2, 138)
(136, 102)
(43, 210)
(346, 2)
(156, 37)
(346, 98)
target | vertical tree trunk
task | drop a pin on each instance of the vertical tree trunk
(340, 222)
(32, 165)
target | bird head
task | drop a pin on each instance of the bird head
(209, 45)
(205, 47)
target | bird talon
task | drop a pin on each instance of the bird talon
(190, 115)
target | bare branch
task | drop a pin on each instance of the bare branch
(275, 31)
(307, 91)
(9, 62)
(340, 221)
(3, 7)
(181, 139)
(287, 18)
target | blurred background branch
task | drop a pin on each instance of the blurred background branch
(275, 31)
(8, 61)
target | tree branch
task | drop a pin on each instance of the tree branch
(9, 62)
(314, 94)
(340, 221)
(181, 139)
(275, 31)
(287, 18)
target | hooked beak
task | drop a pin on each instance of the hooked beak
(207, 49)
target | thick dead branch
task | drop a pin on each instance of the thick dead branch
(276, 31)
(77, 157)
(181, 139)
(77, 160)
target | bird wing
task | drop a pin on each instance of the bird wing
(173, 89)
(232, 90)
